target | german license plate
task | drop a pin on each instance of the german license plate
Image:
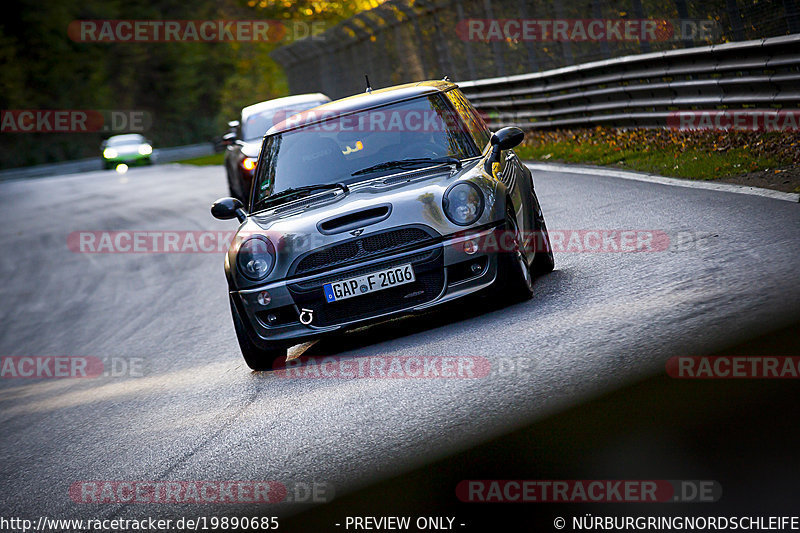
(373, 282)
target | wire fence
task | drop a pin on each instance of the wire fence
(410, 40)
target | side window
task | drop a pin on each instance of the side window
(475, 124)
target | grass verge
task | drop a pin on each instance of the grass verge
(215, 159)
(762, 159)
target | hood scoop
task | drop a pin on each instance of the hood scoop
(354, 220)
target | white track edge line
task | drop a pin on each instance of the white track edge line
(654, 178)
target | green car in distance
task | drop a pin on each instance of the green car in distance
(129, 149)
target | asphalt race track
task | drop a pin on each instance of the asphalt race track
(194, 411)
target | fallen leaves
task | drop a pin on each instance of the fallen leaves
(783, 146)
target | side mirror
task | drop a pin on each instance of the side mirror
(503, 139)
(227, 208)
(507, 138)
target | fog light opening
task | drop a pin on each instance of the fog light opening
(475, 268)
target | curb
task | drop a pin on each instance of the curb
(654, 178)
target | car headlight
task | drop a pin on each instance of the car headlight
(109, 153)
(256, 257)
(463, 203)
(145, 149)
(248, 163)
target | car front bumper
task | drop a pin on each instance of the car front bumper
(444, 272)
(128, 159)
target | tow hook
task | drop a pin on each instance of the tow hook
(306, 316)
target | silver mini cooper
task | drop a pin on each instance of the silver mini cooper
(381, 204)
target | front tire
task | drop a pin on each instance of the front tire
(514, 281)
(256, 358)
(543, 261)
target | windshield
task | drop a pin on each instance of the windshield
(350, 148)
(256, 125)
(125, 139)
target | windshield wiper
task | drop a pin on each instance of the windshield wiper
(297, 192)
(408, 163)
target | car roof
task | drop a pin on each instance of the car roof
(283, 102)
(369, 100)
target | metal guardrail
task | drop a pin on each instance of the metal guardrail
(643, 90)
(160, 155)
(52, 169)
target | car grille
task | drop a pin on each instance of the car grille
(361, 249)
(429, 273)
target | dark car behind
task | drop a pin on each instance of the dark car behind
(245, 136)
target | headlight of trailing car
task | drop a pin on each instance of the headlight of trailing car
(463, 203)
(256, 257)
(145, 149)
(109, 153)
